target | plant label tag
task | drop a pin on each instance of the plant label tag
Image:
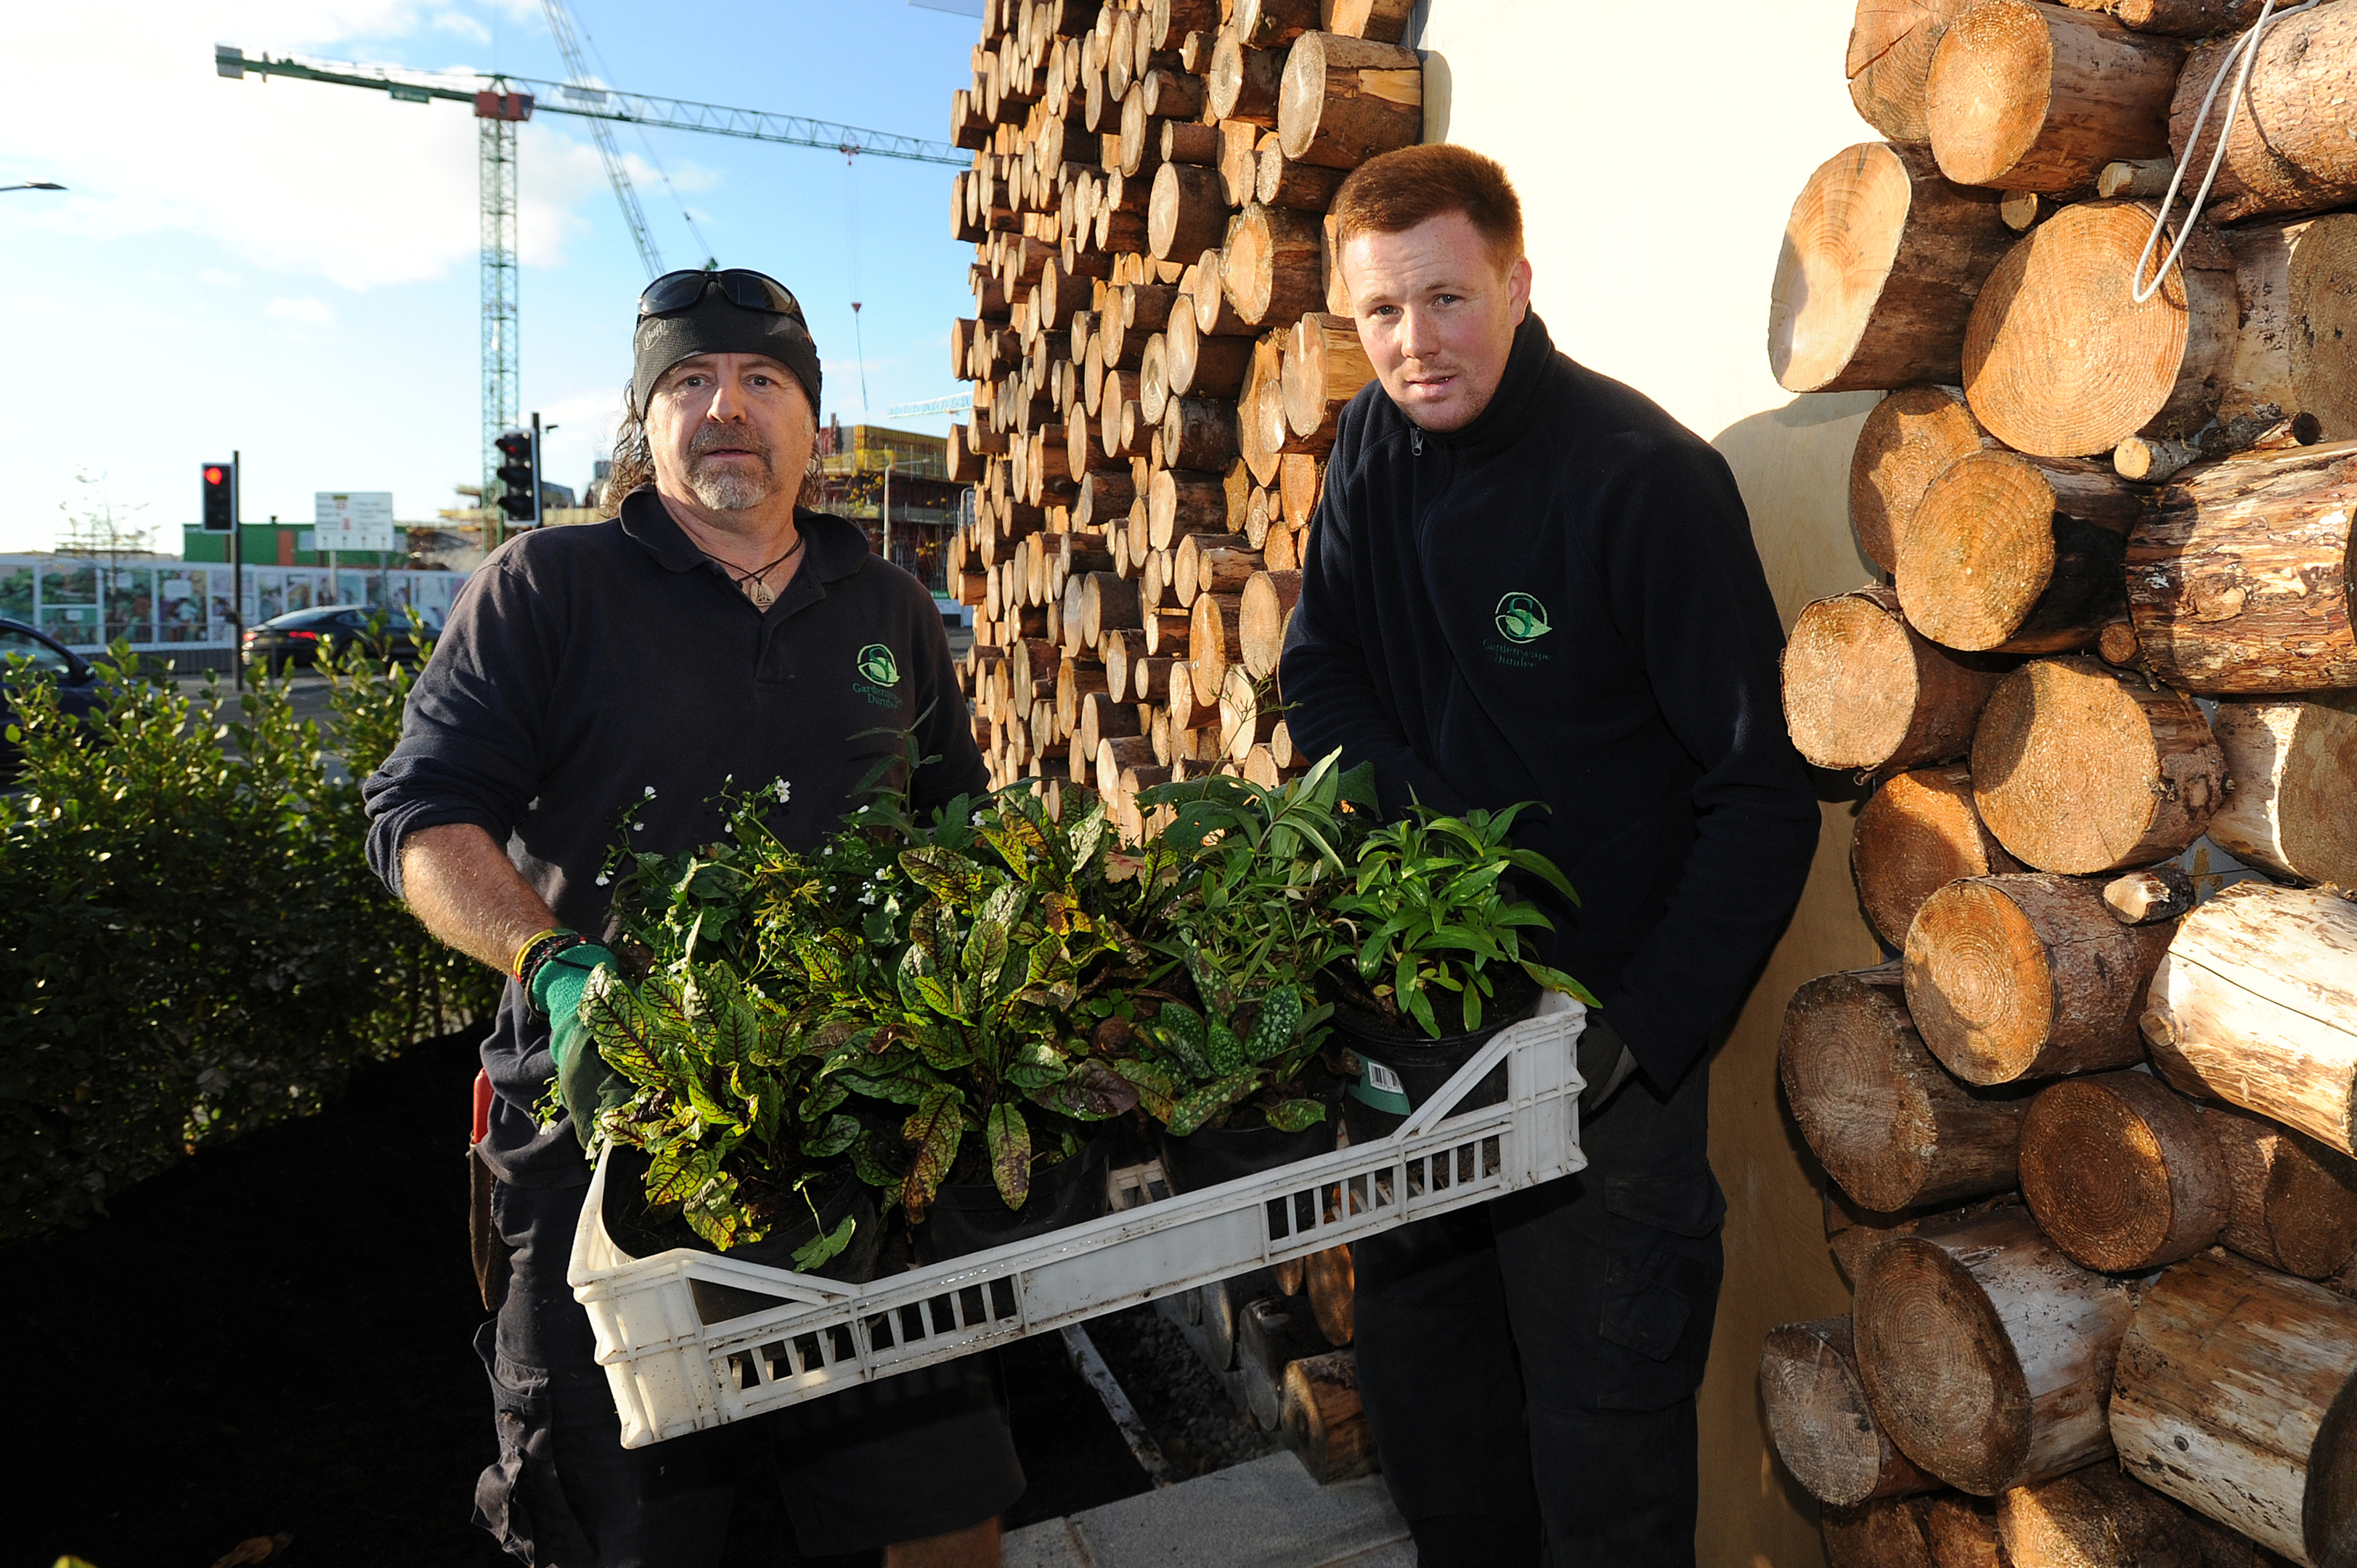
(1383, 1078)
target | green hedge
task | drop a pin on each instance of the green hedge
(194, 944)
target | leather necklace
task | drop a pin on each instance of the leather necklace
(753, 583)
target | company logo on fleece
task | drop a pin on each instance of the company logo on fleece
(878, 673)
(1521, 619)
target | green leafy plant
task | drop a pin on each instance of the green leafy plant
(975, 1014)
(942, 977)
(1430, 910)
(718, 1070)
(197, 947)
(1193, 1068)
(1242, 916)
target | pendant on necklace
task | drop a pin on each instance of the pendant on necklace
(762, 594)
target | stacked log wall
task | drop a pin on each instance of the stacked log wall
(2089, 1146)
(1156, 373)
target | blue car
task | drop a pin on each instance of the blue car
(76, 682)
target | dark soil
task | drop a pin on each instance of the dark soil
(274, 1336)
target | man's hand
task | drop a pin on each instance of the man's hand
(1605, 1062)
(584, 1084)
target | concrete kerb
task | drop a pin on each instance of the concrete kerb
(1266, 1514)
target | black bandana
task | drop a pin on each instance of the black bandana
(714, 326)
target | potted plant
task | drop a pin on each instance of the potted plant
(733, 1138)
(967, 1000)
(1439, 964)
(1232, 1076)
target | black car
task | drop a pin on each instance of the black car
(76, 682)
(296, 639)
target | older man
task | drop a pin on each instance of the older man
(625, 674)
(1527, 582)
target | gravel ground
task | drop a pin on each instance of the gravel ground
(1181, 1402)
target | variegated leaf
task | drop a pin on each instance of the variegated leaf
(1010, 1152)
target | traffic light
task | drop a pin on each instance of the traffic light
(221, 498)
(519, 476)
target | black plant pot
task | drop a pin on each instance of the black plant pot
(642, 1230)
(1216, 1155)
(1419, 1064)
(970, 1216)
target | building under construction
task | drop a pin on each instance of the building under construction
(896, 484)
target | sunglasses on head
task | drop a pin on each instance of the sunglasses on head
(740, 286)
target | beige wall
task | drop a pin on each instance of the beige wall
(1658, 149)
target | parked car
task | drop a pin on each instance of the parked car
(76, 682)
(296, 639)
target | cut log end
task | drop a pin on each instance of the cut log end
(1879, 262)
(1890, 63)
(1916, 834)
(2026, 97)
(1985, 1353)
(2071, 277)
(2119, 1171)
(1906, 440)
(2081, 768)
(1849, 682)
(1887, 1122)
(2027, 976)
(1818, 1417)
(1941, 1373)
(2007, 552)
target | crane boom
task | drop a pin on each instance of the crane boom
(618, 173)
(601, 103)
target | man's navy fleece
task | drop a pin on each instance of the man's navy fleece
(1562, 602)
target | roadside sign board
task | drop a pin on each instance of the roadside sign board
(353, 520)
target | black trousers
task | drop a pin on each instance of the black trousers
(922, 1454)
(1529, 1366)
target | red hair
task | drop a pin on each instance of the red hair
(1395, 191)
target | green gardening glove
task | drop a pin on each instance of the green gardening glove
(584, 1084)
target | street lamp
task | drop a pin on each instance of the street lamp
(35, 185)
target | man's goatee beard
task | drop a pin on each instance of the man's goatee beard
(726, 491)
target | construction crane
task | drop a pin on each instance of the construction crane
(618, 173)
(501, 102)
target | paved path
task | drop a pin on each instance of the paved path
(1266, 1514)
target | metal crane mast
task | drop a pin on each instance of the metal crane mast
(501, 102)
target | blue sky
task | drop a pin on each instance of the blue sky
(289, 268)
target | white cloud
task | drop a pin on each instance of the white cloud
(291, 177)
(301, 310)
(215, 278)
(685, 175)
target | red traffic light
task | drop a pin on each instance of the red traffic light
(219, 498)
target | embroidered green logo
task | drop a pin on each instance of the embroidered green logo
(877, 663)
(1521, 619)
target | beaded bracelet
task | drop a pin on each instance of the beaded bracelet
(540, 949)
(515, 964)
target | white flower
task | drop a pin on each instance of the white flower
(868, 897)
(603, 879)
(637, 827)
(651, 791)
(977, 819)
(785, 791)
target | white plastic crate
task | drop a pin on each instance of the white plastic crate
(672, 1372)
